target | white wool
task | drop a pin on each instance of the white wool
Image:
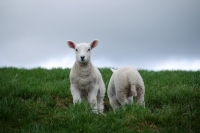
(125, 83)
(86, 80)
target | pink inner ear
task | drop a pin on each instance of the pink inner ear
(94, 43)
(71, 44)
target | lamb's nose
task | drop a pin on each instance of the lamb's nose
(82, 57)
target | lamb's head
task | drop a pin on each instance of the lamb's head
(83, 50)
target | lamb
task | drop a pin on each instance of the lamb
(86, 82)
(125, 83)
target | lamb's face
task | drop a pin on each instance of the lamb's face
(83, 50)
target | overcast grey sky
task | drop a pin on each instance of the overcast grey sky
(148, 34)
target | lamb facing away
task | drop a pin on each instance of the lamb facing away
(86, 80)
(125, 83)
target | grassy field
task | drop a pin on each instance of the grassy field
(39, 100)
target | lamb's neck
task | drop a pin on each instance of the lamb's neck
(84, 69)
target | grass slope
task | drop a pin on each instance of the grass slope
(39, 100)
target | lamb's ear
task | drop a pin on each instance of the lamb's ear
(113, 70)
(71, 44)
(94, 43)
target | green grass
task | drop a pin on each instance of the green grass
(39, 100)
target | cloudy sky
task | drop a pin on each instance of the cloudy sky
(147, 34)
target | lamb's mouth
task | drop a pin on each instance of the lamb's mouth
(83, 61)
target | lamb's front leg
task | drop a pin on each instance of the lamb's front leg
(76, 94)
(92, 98)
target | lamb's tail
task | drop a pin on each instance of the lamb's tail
(133, 90)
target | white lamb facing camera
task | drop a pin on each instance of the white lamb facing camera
(86, 80)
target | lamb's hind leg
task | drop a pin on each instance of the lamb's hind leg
(140, 95)
(114, 102)
(122, 96)
(132, 92)
(130, 99)
(112, 97)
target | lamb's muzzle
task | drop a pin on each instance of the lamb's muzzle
(82, 58)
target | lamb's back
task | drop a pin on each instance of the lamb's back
(127, 75)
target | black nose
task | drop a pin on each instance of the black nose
(82, 57)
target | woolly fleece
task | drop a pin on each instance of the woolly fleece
(125, 83)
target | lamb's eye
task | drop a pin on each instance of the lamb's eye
(76, 49)
(88, 50)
